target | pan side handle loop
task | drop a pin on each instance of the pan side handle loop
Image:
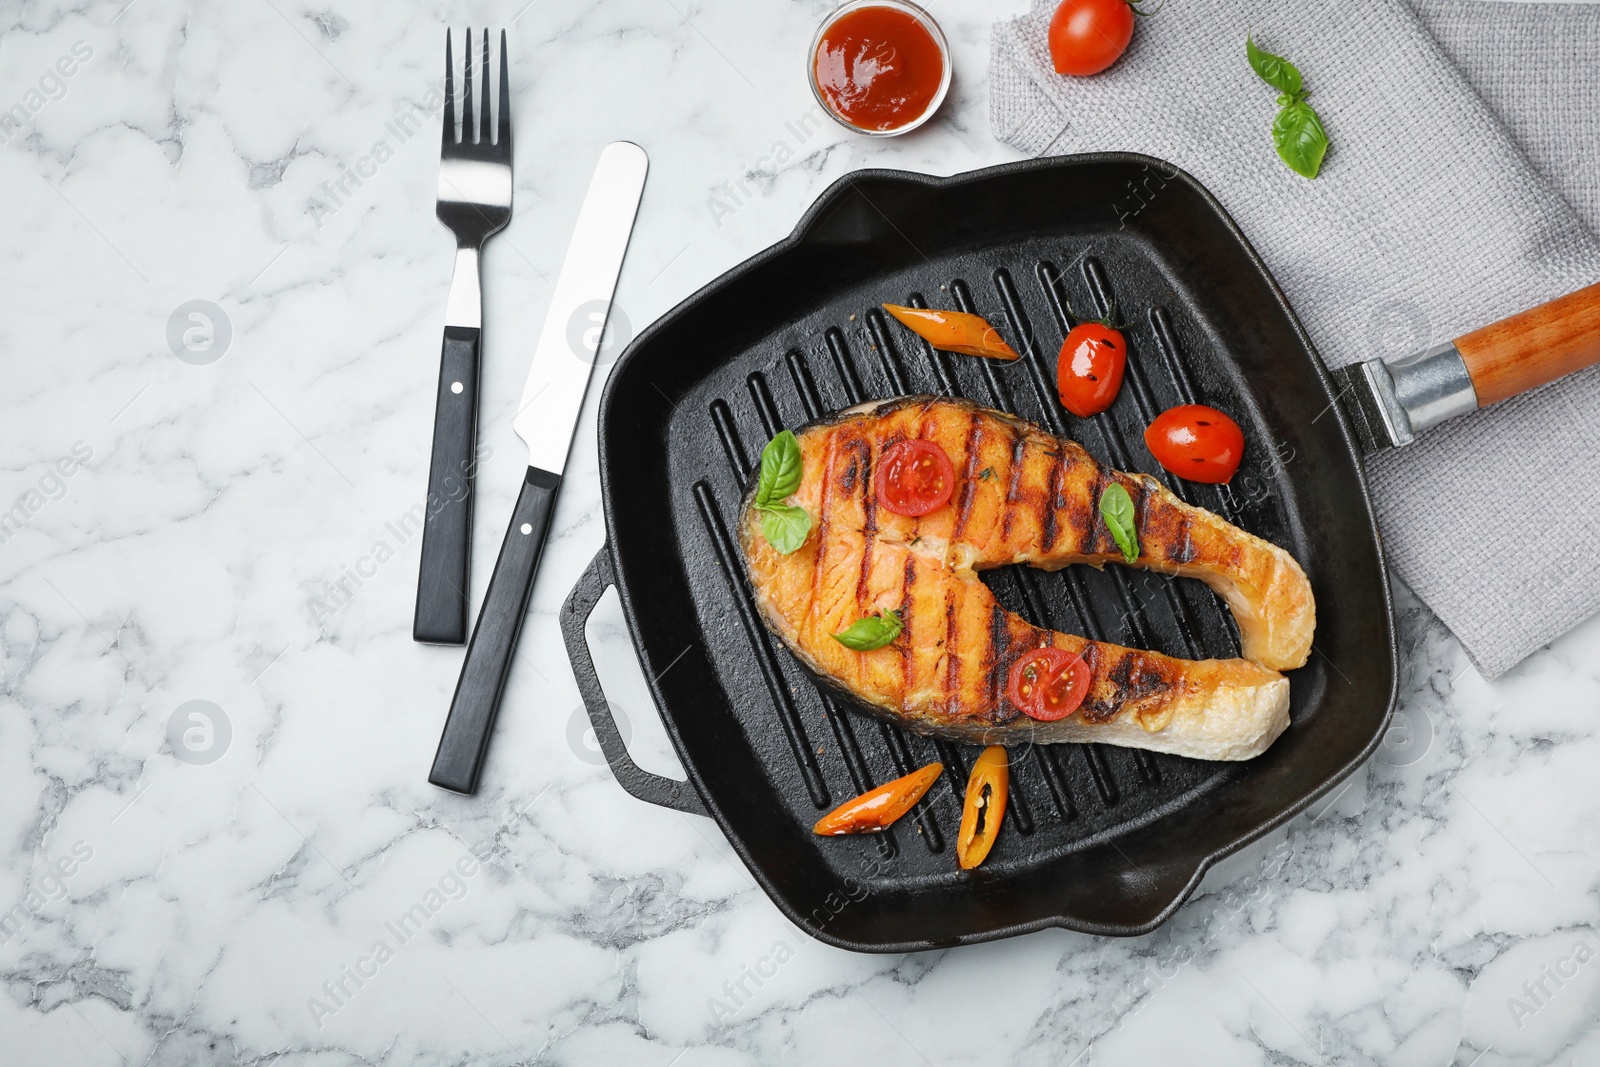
(575, 612)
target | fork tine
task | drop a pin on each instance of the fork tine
(485, 132)
(449, 136)
(504, 139)
(469, 135)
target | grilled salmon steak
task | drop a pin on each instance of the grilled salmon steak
(1021, 496)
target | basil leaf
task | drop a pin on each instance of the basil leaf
(1300, 138)
(785, 526)
(1116, 507)
(1276, 71)
(870, 633)
(780, 470)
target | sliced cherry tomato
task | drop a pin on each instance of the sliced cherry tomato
(1048, 684)
(1062, 690)
(1089, 370)
(875, 809)
(914, 478)
(984, 807)
(954, 331)
(1196, 442)
(1023, 683)
(1087, 36)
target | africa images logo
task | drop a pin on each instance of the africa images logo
(1538, 991)
(51, 86)
(199, 732)
(199, 332)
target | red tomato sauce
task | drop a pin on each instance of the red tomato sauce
(878, 68)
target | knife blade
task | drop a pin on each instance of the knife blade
(547, 415)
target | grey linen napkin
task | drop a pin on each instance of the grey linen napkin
(1430, 218)
(1537, 66)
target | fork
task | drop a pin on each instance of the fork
(475, 203)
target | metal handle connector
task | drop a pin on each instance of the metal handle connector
(1401, 399)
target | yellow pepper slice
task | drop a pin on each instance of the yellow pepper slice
(985, 806)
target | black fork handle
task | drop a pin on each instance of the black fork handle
(597, 578)
(445, 575)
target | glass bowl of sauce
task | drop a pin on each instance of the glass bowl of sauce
(880, 67)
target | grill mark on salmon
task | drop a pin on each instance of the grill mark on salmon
(1097, 709)
(952, 662)
(822, 537)
(908, 641)
(1168, 531)
(862, 455)
(969, 480)
(1051, 503)
(948, 675)
(999, 642)
(1013, 480)
(1098, 538)
(1078, 515)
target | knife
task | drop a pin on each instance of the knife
(548, 413)
(1390, 402)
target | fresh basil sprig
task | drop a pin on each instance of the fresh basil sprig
(872, 632)
(1297, 131)
(783, 525)
(1116, 507)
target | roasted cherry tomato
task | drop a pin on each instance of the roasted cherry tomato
(954, 331)
(914, 478)
(1048, 684)
(984, 807)
(1087, 36)
(1196, 442)
(1089, 370)
(875, 809)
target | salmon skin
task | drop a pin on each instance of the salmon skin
(1024, 496)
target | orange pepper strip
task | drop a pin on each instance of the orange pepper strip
(954, 331)
(875, 809)
(984, 807)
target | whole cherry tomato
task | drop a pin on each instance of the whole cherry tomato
(1087, 36)
(914, 478)
(1196, 442)
(1048, 684)
(1089, 369)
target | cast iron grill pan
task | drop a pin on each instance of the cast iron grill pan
(1096, 838)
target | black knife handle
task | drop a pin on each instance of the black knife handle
(494, 640)
(444, 579)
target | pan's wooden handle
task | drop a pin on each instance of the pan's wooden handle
(1534, 347)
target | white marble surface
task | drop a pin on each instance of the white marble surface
(175, 912)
